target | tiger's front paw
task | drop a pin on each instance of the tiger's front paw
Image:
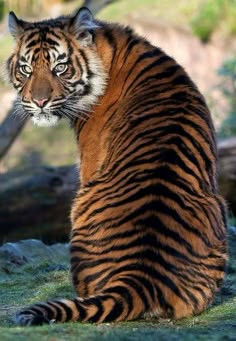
(30, 318)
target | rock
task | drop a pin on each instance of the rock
(33, 252)
(232, 230)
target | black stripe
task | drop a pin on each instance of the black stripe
(86, 61)
(166, 73)
(163, 59)
(164, 172)
(81, 310)
(58, 315)
(53, 33)
(79, 64)
(124, 293)
(32, 43)
(130, 45)
(187, 152)
(151, 271)
(100, 309)
(139, 290)
(164, 191)
(153, 221)
(30, 36)
(45, 307)
(144, 56)
(52, 42)
(112, 42)
(67, 309)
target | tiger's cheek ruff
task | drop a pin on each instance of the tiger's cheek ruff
(94, 82)
(148, 227)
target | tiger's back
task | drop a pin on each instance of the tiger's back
(148, 227)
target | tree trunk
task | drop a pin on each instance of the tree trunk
(9, 130)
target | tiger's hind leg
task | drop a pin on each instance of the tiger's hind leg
(115, 303)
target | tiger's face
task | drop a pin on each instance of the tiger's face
(55, 68)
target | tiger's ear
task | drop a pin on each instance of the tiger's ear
(82, 24)
(15, 25)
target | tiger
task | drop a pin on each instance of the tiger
(148, 236)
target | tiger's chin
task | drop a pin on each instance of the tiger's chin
(45, 120)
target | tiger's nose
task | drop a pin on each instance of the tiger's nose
(40, 102)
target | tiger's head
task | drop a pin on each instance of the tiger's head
(55, 67)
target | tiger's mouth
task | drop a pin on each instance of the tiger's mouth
(44, 119)
(70, 108)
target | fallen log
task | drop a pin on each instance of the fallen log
(36, 203)
(227, 172)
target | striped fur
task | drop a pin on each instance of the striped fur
(148, 227)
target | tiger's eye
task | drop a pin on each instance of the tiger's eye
(60, 68)
(25, 70)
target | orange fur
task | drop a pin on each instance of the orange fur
(148, 227)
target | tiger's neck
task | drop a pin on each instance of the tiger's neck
(118, 49)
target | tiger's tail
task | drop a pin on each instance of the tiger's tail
(116, 303)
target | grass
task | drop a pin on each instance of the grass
(32, 283)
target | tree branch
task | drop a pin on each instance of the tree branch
(9, 130)
(96, 5)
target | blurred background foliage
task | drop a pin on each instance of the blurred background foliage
(228, 88)
(213, 14)
(208, 20)
(204, 16)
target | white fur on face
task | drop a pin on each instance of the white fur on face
(45, 120)
(72, 106)
(83, 105)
